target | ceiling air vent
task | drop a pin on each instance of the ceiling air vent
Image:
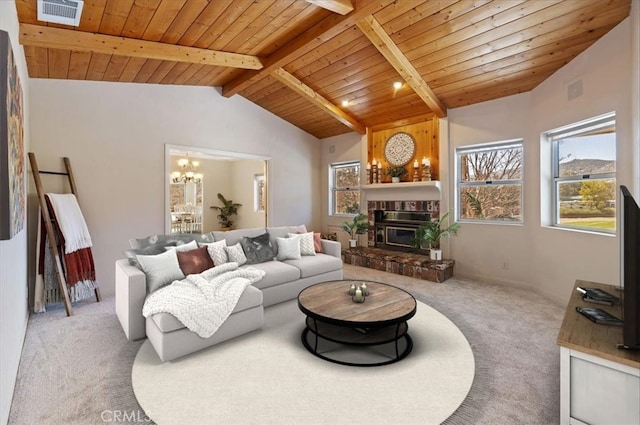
(65, 12)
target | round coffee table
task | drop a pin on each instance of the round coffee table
(380, 320)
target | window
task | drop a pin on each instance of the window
(259, 193)
(489, 182)
(344, 181)
(584, 174)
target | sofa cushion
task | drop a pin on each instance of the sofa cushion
(235, 236)
(217, 251)
(276, 273)
(288, 248)
(258, 249)
(161, 269)
(251, 297)
(236, 254)
(315, 265)
(282, 232)
(194, 261)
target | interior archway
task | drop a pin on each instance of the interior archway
(239, 177)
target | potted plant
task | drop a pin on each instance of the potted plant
(357, 226)
(227, 211)
(396, 173)
(430, 234)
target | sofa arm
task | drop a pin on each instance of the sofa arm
(131, 291)
(332, 248)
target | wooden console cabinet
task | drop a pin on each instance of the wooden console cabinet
(599, 383)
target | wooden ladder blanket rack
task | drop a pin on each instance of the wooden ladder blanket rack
(62, 281)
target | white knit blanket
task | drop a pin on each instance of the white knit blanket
(71, 221)
(202, 302)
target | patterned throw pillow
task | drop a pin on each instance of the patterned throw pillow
(217, 251)
(195, 261)
(306, 243)
(161, 269)
(236, 254)
(289, 248)
(258, 249)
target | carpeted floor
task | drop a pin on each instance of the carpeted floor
(77, 370)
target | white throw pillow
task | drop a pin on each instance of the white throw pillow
(184, 247)
(306, 243)
(289, 248)
(217, 251)
(161, 269)
(236, 254)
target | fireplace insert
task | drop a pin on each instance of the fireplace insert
(396, 229)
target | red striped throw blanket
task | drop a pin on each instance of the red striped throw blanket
(77, 259)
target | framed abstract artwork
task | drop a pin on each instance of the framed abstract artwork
(12, 163)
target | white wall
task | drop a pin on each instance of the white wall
(480, 250)
(14, 312)
(114, 135)
(549, 260)
(346, 147)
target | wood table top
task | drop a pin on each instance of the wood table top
(579, 333)
(331, 302)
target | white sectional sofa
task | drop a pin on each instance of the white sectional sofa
(283, 281)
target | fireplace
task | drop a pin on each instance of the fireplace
(397, 229)
(394, 223)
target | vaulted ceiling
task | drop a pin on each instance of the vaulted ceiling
(301, 59)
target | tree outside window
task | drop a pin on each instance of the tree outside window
(490, 182)
(345, 188)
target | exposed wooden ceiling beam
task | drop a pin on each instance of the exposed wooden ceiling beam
(341, 7)
(58, 38)
(308, 93)
(385, 45)
(309, 40)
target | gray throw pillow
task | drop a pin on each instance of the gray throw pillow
(156, 249)
(168, 240)
(258, 249)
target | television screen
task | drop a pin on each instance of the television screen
(630, 269)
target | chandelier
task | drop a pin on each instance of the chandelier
(188, 172)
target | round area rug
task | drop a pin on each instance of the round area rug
(268, 377)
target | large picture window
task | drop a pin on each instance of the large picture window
(584, 174)
(489, 182)
(344, 181)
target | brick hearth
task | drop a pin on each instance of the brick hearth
(402, 263)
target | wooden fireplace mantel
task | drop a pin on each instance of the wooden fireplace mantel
(403, 185)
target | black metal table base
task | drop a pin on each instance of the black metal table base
(400, 333)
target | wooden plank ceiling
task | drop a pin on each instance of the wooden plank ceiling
(302, 59)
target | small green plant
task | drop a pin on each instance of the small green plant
(357, 226)
(227, 211)
(432, 231)
(396, 171)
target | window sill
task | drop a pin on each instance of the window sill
(584, 231)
